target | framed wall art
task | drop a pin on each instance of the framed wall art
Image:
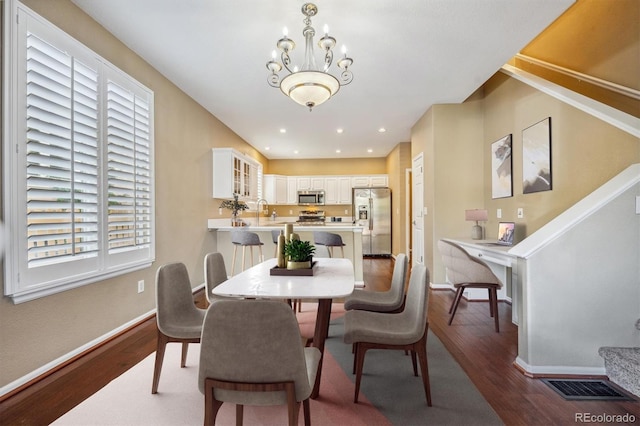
(536, 157)
(501, 166)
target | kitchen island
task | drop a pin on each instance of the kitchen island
(351, 237)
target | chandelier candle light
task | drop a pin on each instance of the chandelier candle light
(476, 215)
(308, 85)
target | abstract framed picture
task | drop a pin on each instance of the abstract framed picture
(536, 157)
(501, 166)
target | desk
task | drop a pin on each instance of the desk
(503, 264)
(333, 278)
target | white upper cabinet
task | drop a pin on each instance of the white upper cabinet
(292, 190)
(276, 189)
(337, 190)
(234, 173)
(370, 181)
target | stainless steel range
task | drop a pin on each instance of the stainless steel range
(311, 217)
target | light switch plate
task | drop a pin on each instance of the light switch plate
(499, 213)
(520, 212)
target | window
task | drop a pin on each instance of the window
(78, 163)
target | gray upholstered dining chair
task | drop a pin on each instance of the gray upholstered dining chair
(391, 300)
(328, 239)
(178, 318)
(215, 273)
(251, 354)
(406, 330)
(465, 271)
(244, 239)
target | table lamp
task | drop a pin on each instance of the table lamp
(476, 215)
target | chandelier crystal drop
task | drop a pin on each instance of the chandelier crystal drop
(308, 85)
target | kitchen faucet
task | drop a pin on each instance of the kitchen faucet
(260, 201)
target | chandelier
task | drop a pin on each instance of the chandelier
(308, 85)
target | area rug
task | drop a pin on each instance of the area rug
(390, 394)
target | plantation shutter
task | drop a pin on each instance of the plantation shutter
(129, 169)
(61, 144)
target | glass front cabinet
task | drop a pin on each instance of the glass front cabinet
(234, 173)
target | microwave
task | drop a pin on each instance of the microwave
(311, 198)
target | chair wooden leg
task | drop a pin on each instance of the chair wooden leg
(185, 349)
(161, 346)
(293, 406)
(307, 412)
(454, 308)
(260, 255)
(490, 301)
(342, 250)
(413, 361)
(239, 414)
(455, 298)
(421, 348)
(360, 352)
(211, 405)
(244, 248)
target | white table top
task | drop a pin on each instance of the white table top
(333, 278)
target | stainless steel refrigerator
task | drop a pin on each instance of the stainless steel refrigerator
(372, 211)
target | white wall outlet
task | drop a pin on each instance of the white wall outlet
(346, 211)
(425, 211)
(290, 212)
(520, 212)
(499, 213)
(140, 286)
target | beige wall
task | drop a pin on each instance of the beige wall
(327, 166)
(398, 161)
(37, 332)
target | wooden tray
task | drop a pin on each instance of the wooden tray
(308, 272)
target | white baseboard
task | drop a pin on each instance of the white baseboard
(560, 370)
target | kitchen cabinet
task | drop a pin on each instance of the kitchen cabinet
(234, 173)
(337, 190)
(292, 190)
(369, 181)
(310, 183)
(276, 189)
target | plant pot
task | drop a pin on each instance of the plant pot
(299, 265)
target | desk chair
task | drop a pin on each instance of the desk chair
(406, 330)
(178, 318)
(382, 301)
(251, 355)
(330, 240)
(244, 239)
(465, 271)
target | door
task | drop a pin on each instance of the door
(417, 224)
(380, 223)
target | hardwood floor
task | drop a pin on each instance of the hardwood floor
(486, 356)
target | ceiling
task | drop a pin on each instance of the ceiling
(408, 55)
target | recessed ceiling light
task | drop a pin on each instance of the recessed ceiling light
(339, 130)
(295, 152)
(266, 148)
(338, 151)
(369, 150)
(382, 130)
(283, 130)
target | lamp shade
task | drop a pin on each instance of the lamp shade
(309, 88)
(476, 215)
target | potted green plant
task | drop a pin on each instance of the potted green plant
(299, 254)
(235, 206)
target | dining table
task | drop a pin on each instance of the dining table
(332, 279)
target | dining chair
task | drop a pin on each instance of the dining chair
(215, 273)
(388, 301)
(178, 318)
(406, 330)
(244, 239)
(466, 271)
(251, 354)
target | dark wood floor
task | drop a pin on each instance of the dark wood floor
(486, 356)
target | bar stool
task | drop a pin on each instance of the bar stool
(244, 239)
(275, 233)
(330, 240)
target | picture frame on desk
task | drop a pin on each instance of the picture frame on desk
(501, 168)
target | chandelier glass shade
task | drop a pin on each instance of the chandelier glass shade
(308, 85)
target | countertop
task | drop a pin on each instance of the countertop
(268, 225)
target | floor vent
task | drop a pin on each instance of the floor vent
(577, 389)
